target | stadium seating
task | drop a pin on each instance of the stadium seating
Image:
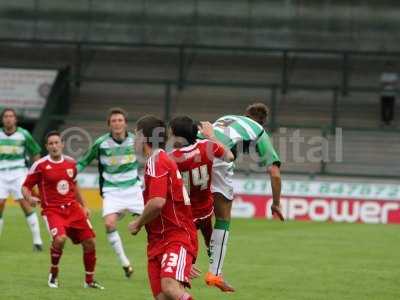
(368, 153)
(304, 24)
(114, 75)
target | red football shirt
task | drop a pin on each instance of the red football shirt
(55, 179)
(195, 163)
(175, 223)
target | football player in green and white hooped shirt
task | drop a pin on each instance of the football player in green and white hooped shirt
(120, 185)
(15, 144)
(241, 134)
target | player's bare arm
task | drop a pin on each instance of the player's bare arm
(28, 196)
(80, 199)
(276, 185)
(207, 130)
(151, 211)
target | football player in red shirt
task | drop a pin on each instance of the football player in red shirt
(195, 160)
(167, 215)
(62, 206)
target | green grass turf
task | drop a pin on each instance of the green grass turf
(266, 260)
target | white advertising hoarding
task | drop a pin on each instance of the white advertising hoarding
(352, 202)
(25, 90)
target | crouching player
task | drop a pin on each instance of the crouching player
(195, 160)
(62, 206)
(172, 237)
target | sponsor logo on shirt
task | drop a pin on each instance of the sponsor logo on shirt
(63, 187)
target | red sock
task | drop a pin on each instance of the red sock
(55, 255)
(89, 260)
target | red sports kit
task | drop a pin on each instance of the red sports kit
(57, 187)
(195, 164)
(172, 237)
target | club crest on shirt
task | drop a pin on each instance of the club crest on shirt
(70, 172)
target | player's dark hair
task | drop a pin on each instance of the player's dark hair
(258, 112)
(154, 130)
(184, 127)
(8, 109)
(52, 133)
(116, 111)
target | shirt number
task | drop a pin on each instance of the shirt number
(171, 262)
(200, 177)
(186, 198)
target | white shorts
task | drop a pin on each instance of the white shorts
(11, 184)
(123, 200)
(221, 180)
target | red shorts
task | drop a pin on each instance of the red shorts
(202, 213)
(174, 263)
(69, 220)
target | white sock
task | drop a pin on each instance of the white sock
(1, 225)
(218, 246)
(33, 223)
(115, 241)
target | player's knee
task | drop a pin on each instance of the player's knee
(274, 172)
(224, 216)
(59, 241)
(223, 212)
(161, 296)
(110, 225)
(89, 245)
(169, 286)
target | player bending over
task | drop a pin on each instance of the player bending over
(15, 144)
(172, 237)
(195, 159)
(120, 186)
(62, 206)
(240, 134)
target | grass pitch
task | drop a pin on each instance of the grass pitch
(266, 260)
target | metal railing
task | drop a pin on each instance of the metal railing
(179, 81)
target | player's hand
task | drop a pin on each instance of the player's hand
(33, 201)
(134, 227)
(206, 129)
(195, 272)
(277, 211)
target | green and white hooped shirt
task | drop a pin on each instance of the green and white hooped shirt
(232, 130)
(15, 148)
(117, 163)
